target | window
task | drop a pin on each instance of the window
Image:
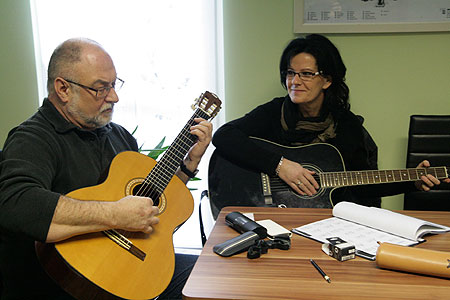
(166, 51)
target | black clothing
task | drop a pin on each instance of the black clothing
(183, 268)
(44, 157)
(352, 140)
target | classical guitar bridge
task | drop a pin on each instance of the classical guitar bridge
(125, 243)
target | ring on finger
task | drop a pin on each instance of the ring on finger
(299, 183)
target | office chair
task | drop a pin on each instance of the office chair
(206, 218)
(429, 138)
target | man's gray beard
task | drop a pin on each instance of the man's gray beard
(96, 121)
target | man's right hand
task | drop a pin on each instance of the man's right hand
(134, 213)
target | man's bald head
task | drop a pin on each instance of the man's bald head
(65, 57)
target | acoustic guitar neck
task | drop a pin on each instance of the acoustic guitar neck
(352, 178)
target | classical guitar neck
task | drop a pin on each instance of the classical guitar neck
(206, 106)
(352, 178)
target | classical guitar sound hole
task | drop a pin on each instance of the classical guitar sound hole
(138, 190)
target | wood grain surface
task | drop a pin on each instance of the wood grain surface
(289, 274)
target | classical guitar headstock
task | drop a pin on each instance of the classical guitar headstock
(209, 103)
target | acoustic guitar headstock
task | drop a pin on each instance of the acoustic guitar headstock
(209, 103)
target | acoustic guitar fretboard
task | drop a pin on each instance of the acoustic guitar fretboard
(351, 178)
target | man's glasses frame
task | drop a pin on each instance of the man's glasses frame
(102, 92)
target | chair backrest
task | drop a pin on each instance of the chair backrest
(429, 138)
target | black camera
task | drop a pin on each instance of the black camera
(242, 224)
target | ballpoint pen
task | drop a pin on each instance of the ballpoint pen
(325, 276)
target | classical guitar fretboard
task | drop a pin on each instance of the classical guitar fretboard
(349, 178)
(165, 169)
(158, 179)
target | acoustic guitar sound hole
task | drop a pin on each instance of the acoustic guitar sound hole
(135, 188)
(321, 190)
(138, 190)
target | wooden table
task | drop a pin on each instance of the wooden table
(289, 274)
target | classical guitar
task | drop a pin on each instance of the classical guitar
(130, 265)
(231, 184)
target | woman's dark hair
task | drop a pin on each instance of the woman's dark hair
(329, 62)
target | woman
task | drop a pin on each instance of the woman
(316, 110)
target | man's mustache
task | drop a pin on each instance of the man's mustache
(107, 106)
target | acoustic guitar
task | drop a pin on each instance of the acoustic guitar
(231, 184)
(130, 265)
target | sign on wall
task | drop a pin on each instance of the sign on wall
(337, 16)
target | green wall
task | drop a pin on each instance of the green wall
(391, 76)
(18, 80)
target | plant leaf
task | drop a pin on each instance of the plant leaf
(161, 143)
(158, 150)
(155, 153)
(135, 129)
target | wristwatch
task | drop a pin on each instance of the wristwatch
(186, 171)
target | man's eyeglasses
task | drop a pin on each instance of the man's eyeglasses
(102, 92)
(304, 75)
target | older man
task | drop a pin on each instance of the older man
(69, 144)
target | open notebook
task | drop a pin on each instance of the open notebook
(365, 226)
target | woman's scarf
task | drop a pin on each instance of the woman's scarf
(298, 130)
